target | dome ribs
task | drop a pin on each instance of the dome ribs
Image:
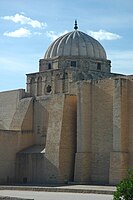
(76, 43)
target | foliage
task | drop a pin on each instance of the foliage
(124, 190)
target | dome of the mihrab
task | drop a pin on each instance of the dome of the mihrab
(76, 43)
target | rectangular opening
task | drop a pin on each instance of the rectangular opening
(98, 66)
(73, 63)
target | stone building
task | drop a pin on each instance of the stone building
(74, 122)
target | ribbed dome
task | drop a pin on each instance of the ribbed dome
(76, 43)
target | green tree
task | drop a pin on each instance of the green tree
(124, 190)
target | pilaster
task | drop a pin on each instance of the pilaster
(119, 156)
(83, 154)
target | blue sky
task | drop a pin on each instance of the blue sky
(27, 28)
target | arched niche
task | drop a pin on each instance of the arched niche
(39, 86)
(32, 86)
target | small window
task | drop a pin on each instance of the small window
(73, 63)
(49, 66)
(98, 66)
(49, 89)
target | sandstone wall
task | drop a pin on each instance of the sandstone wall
(84, 122)
(54, 107)
(16, 115)
(30, 166)
(23, 117)
(119, 155)
(130, 123)
(13, 142)
(41, 118)
(95, 131)
(68, 139)
(51, 160)
(8, 103)
(60, 145)
(102, 129)
(37, 167)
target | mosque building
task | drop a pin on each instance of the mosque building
(74, 122)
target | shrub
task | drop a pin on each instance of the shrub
(124, 190)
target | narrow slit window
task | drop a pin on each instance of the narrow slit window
(98, 66)
(49, 66)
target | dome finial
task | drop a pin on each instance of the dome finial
(75, 25)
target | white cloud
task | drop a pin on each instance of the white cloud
(22, 32)
(37, 33)
(53, 36)
(20, 18)
(104, 35)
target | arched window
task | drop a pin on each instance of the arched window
(49, 89)
(98, 66)
(32, 86)
(39, 86)
(49, 66)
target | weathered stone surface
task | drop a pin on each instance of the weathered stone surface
(74, 123)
